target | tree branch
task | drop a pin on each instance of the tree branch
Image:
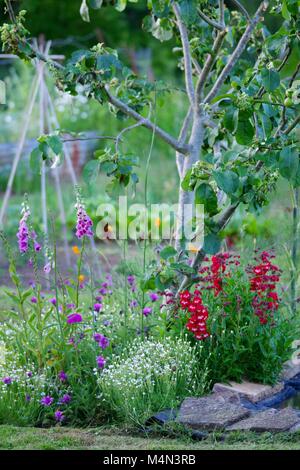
(224, 220)
(242, 9)
(182, 138)
(237, 52)
(187, 57)
(209, 63)
(211, 22)
(222, 12)
(292, 125)
(182, 148)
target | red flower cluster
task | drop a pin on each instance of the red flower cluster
(214, 273)
(197, 321)
(263, 279)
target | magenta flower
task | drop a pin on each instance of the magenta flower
(102, 340)
(74, 318)
(34, 300)
(153, 296)
(66, 398)
(59, 416)
(47, 400)
(62, 376)
(37, 247)
(7, 380)
(23, 233)
(84, 223)
(47, 268)
(131, 280)
(53, 301)
(147, 311)
(97, 307)
(100, 362)
(70, 306)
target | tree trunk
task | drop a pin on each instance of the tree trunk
(188, 197)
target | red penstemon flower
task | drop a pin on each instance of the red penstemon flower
(263, 279)
(199, 313)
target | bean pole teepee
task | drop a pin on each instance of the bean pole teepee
(47, 117)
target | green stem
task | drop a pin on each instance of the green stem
(79, 270)
(146, 206)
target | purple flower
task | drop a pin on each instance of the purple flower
(7, 380)
(70, 306)
(99, 298)
(97, 307)
(53, 301)
(100, 362)
(131, 280)
(147, 311)
(66, 398)
(102, 340)
(59, 416)
(153, 296)
(37, 247)
(103, 291)
(106, 322)
(62, 376)
(29, 374)
(31, 284)
(133, 303)
(108, 278)
(47, 400)
(74, 318)
(34, 300)
(23, 233)
(27, 398)
(47, 268)
(84, 223)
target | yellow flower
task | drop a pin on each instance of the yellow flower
(157, 222)
(75, 250)
(192, 248)
(81, 277)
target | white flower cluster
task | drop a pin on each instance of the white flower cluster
(148, 361)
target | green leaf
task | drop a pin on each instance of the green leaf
(183, 268)
(188, 10)
(185, 183)
(245, 130)
(96, 4)
(162, 29)
(289, 162)
(205, 195)
(121, 5)
(230, 119)
(270, 79)
(35, 160)
(168, 252)
(90, 171)
(284, 11)
(108, 167)
(84, 11)
(227, 180)
(55, 144)
(212, 244)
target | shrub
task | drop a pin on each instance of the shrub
(150, 376)
(239, 319)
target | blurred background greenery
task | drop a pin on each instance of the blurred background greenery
(60, 22)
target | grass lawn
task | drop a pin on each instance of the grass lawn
(112, 438)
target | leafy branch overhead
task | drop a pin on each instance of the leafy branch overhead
(240, 132)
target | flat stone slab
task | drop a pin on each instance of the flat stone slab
(270, 420)
(209, 413)
(290, 370)
(252, 391)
